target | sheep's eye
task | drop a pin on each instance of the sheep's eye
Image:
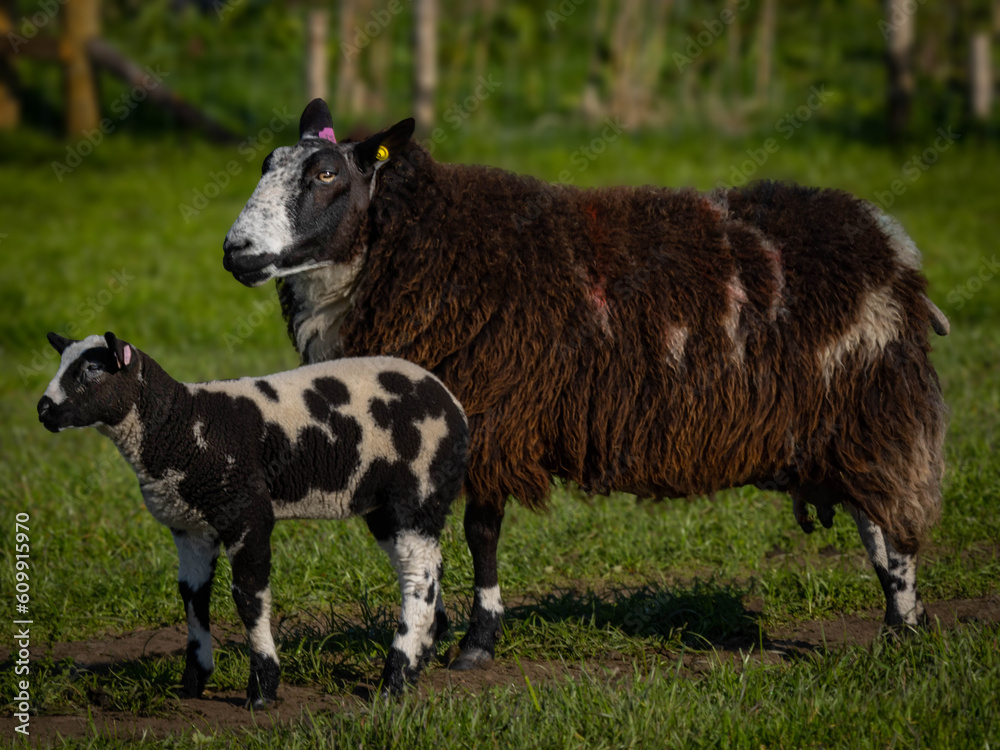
(326, 177)
(90, 370)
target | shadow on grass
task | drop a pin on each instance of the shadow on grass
(701, 615)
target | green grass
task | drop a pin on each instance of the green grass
(594, 577)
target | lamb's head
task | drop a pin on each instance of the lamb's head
(96, 385)
(309, 205)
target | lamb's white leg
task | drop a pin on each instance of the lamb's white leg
(417, 560)
(896, 571)
(196, 556)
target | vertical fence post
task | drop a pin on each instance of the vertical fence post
(81, 23)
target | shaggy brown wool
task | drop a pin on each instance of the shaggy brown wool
(661, 342)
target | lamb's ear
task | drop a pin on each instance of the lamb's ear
(315, 118)
(122, 350)
(381, 147)
(59, 343)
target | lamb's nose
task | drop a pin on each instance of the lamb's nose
(43, 407)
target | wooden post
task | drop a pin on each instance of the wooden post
(10, 111)
(319, 22)
(81, 24)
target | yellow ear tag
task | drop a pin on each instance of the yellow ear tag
(382, 154)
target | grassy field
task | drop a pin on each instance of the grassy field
(628, 626)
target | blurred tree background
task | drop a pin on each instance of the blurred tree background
(895, 70)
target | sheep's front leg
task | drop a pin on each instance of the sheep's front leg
(196, 569)
(251, 562)
(482, 533)
(417, 560)
(896, 571)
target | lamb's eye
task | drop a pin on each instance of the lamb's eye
(326, 177)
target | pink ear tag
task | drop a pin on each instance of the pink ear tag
(327, 134)
(127, 356)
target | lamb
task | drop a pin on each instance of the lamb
(649, 340)
(219, 462)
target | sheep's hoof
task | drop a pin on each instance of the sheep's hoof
(472, 658)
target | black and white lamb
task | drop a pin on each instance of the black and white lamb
(221, 461)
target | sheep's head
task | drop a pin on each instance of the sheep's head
(311, 200)
(96, 384)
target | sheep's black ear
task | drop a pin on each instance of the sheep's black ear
(59, 343)
(383, 146)
(121, 349)
(315, 117)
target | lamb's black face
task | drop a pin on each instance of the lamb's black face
(309, 204)
(95, 384)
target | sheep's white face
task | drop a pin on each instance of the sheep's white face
(93, 386)
(310, 203)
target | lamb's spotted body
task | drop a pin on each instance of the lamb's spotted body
(220, 462)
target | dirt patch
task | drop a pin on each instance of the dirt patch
(224, 710)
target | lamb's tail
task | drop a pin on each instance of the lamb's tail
(939, 322)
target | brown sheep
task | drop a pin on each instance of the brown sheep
(641, 339)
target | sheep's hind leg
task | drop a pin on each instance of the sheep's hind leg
(418, 564)
(196, 557)
(896, 571)
(251, 563)
(482, 532)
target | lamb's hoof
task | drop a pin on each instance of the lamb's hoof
(806, 524)
(472, 658)
(260, 703)
(193, 682)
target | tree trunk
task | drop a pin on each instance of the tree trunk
(424, 62)
(981, 75)
(654, 49)
(899, 65)
(591, 105)
(765, 51)
(349, 84)
(317, 62)
(733, 86)
(487, 13)
(81, 24)
(623, 62)
(104, 55)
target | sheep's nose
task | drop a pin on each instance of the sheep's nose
(44, 405)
